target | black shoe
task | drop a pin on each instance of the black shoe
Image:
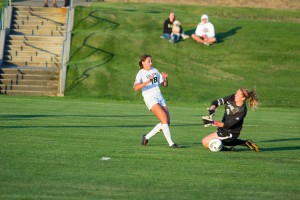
(144, 140)
(45, 5)
(175, 146)
(251, 145)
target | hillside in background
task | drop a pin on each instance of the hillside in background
(253, 51)
(274, 4)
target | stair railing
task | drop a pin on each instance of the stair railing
(66, 50)
(5, 26)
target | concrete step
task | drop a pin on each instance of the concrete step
(29, 82)
(32, 64)
(52, 18)
(37, 77)
(38, 27)
(40, 9)
(40, 13)
(39, 22)
(31, 58)
(36, 38)
(33, 43)
(29, 53)
(28, 93)
(29, 71)
(54, 50)
(37, 32)
(43, 88)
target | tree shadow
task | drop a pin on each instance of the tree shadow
(93, 21)
(221, 36)
(106, 57)
(92, 17)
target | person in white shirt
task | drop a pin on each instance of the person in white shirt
(148, 80)
(205, 32)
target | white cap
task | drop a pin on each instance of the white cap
(204, 17)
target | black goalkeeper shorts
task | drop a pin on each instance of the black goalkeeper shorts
(226, 136)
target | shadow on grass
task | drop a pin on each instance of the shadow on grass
(282, 140)
(190, 32)
(92, 17)
(280, 148)
(220, 36)
(18, 117)
(89, 126)
(106, 55)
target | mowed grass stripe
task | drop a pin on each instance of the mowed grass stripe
(60, 157)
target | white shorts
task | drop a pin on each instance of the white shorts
(154, 98)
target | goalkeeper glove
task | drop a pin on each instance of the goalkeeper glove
(207, 121)
(211, 112)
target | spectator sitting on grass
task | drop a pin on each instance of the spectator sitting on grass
(172, 29)
(205, 32)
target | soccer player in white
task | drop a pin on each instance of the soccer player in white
(148, 80)
(205, 32)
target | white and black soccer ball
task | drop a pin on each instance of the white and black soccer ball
(215, 145)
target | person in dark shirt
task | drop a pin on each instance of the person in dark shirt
(67, 3)
(232, 123)
(172, 29)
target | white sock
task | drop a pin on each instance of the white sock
(153, 132)
(166, 131)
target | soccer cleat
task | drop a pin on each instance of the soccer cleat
(175, 146)
(45, 5)
(206, 43)
(55, 5)
(144, 140)
(251, 145)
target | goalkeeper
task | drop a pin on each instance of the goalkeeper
(232, 123)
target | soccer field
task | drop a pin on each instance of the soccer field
(87, 145)
(61, 148)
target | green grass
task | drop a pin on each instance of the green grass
(258, 48)
(50, 148)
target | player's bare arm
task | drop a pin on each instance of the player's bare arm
(138, 86)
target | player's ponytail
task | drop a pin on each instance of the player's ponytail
(142, 59)
(252, 96)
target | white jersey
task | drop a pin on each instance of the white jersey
(153, 86)
(206, 29)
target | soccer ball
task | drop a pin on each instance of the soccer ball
(215, 145)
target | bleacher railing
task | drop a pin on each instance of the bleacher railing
(66, 50)
(5, 26)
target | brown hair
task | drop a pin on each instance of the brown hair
(252, 96)
(142, 59)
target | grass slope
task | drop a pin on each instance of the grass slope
(258, 47)
(51, 148)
